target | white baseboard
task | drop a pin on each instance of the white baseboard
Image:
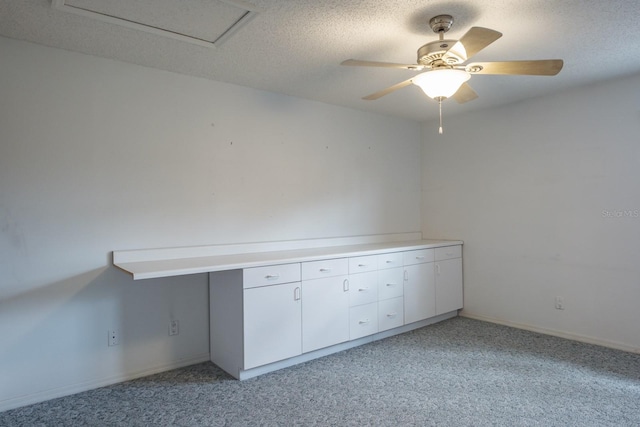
(553, 332)
(67, 390)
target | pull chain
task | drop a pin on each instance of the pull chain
(440, 107)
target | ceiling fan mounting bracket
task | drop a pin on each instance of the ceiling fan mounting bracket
(441, 23)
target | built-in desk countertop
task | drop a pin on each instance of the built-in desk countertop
(153, 263)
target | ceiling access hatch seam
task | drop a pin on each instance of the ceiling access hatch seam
(245, 13)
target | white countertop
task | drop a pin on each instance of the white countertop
(165, 267)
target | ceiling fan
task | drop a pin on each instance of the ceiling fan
(445, 74)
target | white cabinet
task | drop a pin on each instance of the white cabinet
(419, 285)
(390, 283)
(255, 316)
(390, 313)
(448, 275)
(363, 320)
(390, 297)
(272, 324)
(325, 304)
(363, 288)
(363, 298)
(270, 316)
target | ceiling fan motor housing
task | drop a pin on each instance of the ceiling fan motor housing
(433, 52)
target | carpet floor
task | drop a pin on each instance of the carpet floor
(460, 372)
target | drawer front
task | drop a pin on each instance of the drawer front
(363, 320)
(270, 275)
(363, 288)
(390, 260)
(418, 257)
(325, 268)
(390, 283)
(362, 264)
(390, 313)
(448, 252)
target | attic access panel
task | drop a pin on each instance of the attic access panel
(203, 22)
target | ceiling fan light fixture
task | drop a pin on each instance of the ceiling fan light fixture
(441, 83)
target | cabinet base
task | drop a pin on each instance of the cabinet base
(254, 372)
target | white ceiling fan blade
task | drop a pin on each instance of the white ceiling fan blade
(388, 90)
(542, 67)
(358, 63)
(465, 94)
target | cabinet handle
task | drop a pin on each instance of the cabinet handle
(362, 265)
(438, 269)
(389, 261)
(345, 285)
(406, 275)
(363, 289)
(449, 254)
(325, 270)
(420, 257)
(391, 284)
(392, 315)
(362, 322)
(296, 294)
(272, 276)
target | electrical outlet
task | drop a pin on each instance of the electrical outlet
(113, 337)
(559, 303)
(174, 327)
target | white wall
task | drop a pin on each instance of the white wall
(546, 196)
(98, 155)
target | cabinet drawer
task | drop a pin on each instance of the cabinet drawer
(363, 320)
(448, 252)
(390, 283)
(363, 288)
(270, 275)
(325, 268)
(390, 260)
(363, 263)
(418, 257)
(390, 313)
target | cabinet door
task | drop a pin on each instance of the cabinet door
(272, 324)
(419, 292)
(325, 312)
(448, 285)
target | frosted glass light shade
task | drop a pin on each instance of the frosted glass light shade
(441, 83)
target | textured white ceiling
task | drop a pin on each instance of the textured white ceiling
(295, 47)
